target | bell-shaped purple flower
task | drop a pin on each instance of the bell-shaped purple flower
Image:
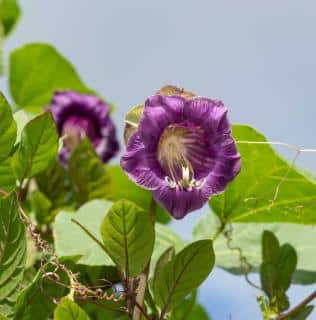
(182, 151)
(80, 116)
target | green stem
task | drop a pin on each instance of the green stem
(143, 277)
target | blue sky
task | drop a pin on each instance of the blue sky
(259, 57)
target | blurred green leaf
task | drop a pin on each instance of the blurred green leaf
(123, 188)
(87, 174)
(12, 253)
(7, 127)
(9, 14)
(37, 70)
(68, 310)
(38, 147)
(248, 238)
(41, 206)
(128, 236)
(183, 274)
(71, 242)
(267, 189)
(57, 190)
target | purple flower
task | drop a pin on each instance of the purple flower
(182, 151)
(80, 116)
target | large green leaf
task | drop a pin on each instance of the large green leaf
(7, 128)
(247, 237)
(38, 147)
(37, 70)
(12, 253)
(35, 301)
(71, 242)
(123, 188)
(68, 310)
(302, 314)
(183, 274)
(90, 180)
(9, 14)
(268, 189)
(128, 236)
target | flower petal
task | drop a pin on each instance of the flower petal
(180, 202)
(159, 112)
(140, 165)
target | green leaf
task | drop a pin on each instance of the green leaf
(34, 303)
(37, 70)
(7, 127)
(131, 121)
(164, 239)
(164, 259)
(183, 274)
(286, 266)
(123, 188)
(302, 314)
(12, 253)
(41, 206)
(128, 236)
(72, 243)
(267, 189)
(90, 180)
(248, 238)
(57, 190)
(38, 147)
(269, 278)
(7, 178)
(199, 313)
(270, 247)
(68, 310)
(183, 310)
(9, 14)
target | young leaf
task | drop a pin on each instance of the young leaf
(287, 263)
(68, 310)
(270, 247)
(12, 253)
(164, 259)
(248, 238)
(128, 236)
(183, 274)
(73, 243)
(267, 189)
(87, 174)
(9, 14)
(37, 70)
(7, 127)
(164, 239)
(38, 147)
(269, 278)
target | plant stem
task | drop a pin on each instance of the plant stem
(307, 300)
(143, 278)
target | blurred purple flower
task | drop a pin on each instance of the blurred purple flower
(80, 116)
(182, 151)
